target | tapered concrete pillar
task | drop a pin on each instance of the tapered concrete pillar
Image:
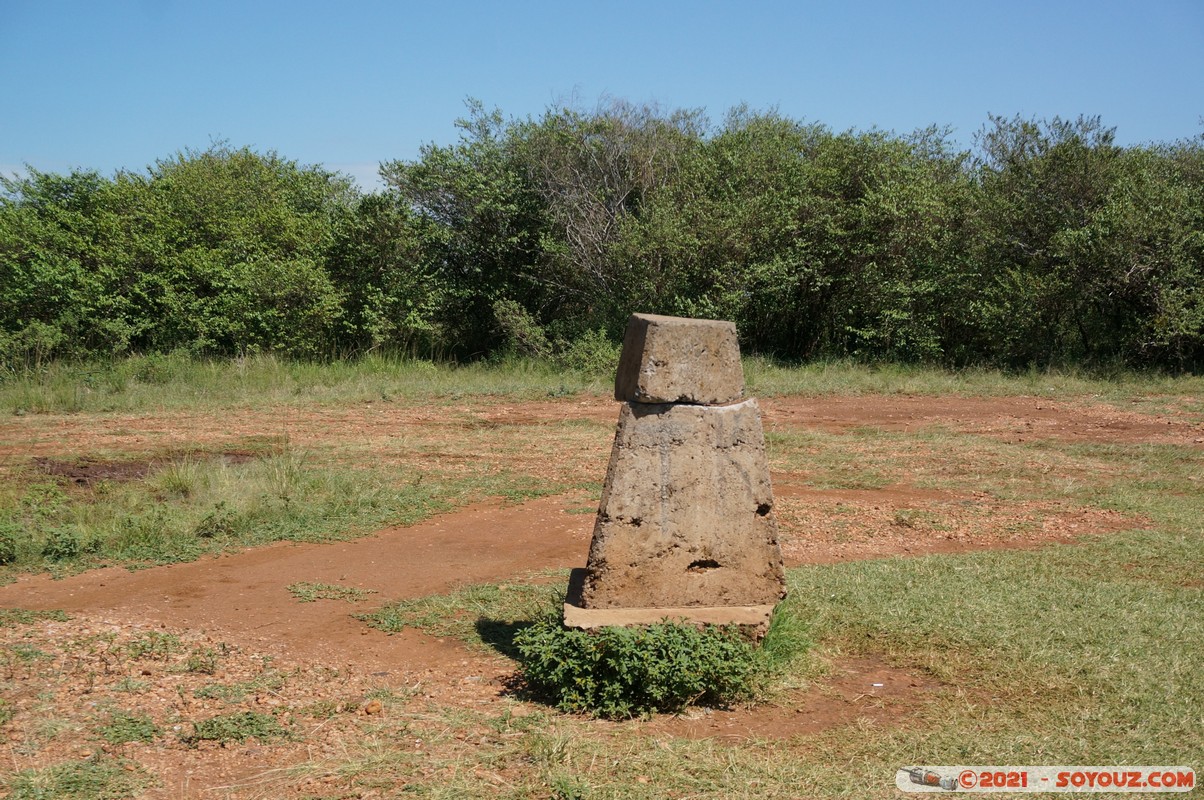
(685, 528)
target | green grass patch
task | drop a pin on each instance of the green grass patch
(27, 653)
(190, 507)
(89, 779)
(130, 685)
(178, 381)
(480, 615)
(10, 617)
(767, 377)
(267, 681)
(124, 726)
(171, 381)
(226, 728)
(154, 645)
(1065, 654)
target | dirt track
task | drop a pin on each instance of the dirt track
(241, 598)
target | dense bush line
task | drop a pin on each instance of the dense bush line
(1045, 244)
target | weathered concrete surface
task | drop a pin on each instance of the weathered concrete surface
(679, 360)
(686, 517)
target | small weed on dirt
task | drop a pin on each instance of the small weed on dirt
(227, 728)
(154, 645)
(20, 616)
(124, 726)
(268, 681)
(308, 592)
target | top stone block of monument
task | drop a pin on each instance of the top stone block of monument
(679, 360)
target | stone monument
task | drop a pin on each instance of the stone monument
(685, 530)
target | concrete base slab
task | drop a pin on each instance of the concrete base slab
(754, 616)
(587, 618)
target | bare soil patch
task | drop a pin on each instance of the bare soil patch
(857, 690)
(87, 471)
(1008, 418)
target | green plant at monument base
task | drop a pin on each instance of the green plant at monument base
(618, 673)
(95, 778)
(627, 672)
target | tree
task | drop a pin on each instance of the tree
(220, 251)
(479, 225)
(1040, 185)
(596, 173)
(392, 298)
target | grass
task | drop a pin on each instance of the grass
(1069, 653)
(479, 615)
(1066, 654)
(617, 674)
(191, 507)
(155, 646)
(124, 726)
(89, 779)
(308, 592)
(768, 378)
(21, 616)
(179, 381)
(267, 681)
(239, 727)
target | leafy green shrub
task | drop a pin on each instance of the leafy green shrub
(520, 331)
(624, 672)
(593, 353)
(236, 728)
(63, 544)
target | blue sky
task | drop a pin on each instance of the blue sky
(109, 84)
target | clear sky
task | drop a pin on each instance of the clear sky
(107, 84)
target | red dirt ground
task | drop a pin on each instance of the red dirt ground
(240, 599)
